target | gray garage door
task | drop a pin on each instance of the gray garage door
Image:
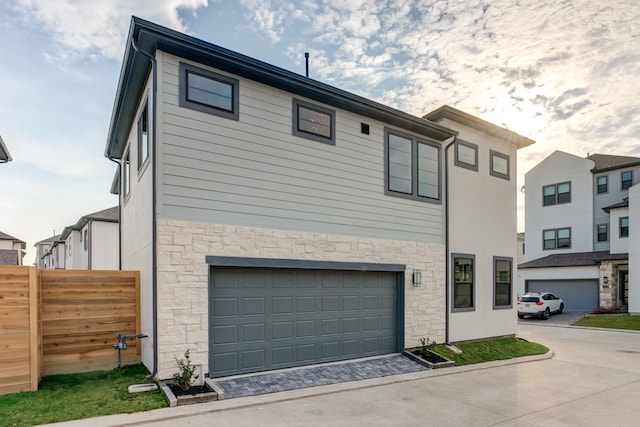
(262, 318)
(576, 294)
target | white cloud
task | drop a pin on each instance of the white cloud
(96, 29)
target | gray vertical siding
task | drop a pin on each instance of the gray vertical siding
(254, 172)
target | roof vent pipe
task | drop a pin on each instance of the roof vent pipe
(306, 60)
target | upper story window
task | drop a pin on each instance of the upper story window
(143, 136)
(624, 226)
(503, 283)
(626, 179)
(209, 92)
(556, 194)
(559, 238)
(603, 232)
(603, 184)
(463, 282)
(86, 239)
(499, 165)
(126, 175)
(314, 122)
(412, 167)
(466, 155)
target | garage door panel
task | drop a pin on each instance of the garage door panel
(298, 317)
(576, 294)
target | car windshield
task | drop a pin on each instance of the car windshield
(529, 299)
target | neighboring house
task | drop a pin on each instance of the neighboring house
(55, 258)
(578, 223)
(92, 243)
(12, 250)
(521, 248)
(277, 221)
(4, 152)
(42, 249)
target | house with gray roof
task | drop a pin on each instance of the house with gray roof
(4, 152)
(12, 250)
(579, 228)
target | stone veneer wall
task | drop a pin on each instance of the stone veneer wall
(183, 277)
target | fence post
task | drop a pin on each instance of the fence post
(35, 331)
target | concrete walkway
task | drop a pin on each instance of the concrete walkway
(592, 380)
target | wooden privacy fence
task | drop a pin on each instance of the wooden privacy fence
(64, 321)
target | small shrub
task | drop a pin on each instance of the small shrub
(186, 374)
(426, 346)
(606, 310)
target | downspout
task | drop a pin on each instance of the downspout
(447, 278)
(154, 233)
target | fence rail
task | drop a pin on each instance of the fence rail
(64, 321)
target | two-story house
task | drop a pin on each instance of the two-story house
(577, 227)
(12, 250)
(43, 247)
(4, 152)
(277, 221)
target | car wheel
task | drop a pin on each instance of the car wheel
(520, 316)
(561, 308)
(547, 314)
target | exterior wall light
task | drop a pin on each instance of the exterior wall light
(605, 280)
(417, 277)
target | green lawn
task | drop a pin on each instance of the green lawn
(486, 351)
(622, 321)
(77, 396)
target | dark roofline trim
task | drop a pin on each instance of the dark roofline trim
(151, 37)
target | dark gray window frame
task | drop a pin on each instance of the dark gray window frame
(492, 172)
(495, 282)
(455, 309)
(556, 195)
(620, 227)
(606, 227)
(233, 114)
(460, 163)
(308, 135)
(556, 238)
(414, 167)
(606, 184)
(126, 174)
(623, 181)
(144, 113)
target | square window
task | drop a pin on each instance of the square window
(463, 282)
(364, 128)
(603, 184)
(466, 155)
(412, 167)
(499, 165)
(502, 282)
(627, 179)
(603, 234)
(208, 92)
(314, 122)
(624, 226)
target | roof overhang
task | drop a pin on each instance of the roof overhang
(150, 37)
(466, 119)
(4, 152)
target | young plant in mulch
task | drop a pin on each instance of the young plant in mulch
(185, 377)
(427, 353)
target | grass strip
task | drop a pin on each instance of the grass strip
(489, 350)
(617, 321)
(77, 396)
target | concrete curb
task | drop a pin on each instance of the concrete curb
(178, 412)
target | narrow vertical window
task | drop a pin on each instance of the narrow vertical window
(143, 136)
(463, 282)
(603, 233)
(499, 165)
(502, 282)
(603, 184)
(428, 180)
(126, 175)
(400, 164)
(549, 195)
(627, 179)
(624, 226)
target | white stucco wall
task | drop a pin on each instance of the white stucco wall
(104, 244)
(557, 168)
(618, 245)
(634, 249)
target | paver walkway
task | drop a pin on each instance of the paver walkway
(318, 375)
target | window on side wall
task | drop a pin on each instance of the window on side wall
(603, 233)
(143, 136)
(209, 92)
(463, 282)
(466, 155)
(86, 238)
(412, 167)
(556, 194)
(627, 179)
(503, 282)
(624, 226)
(126, 175)
(314, 122)
(499, 165)
(558, 238)
(603, 184)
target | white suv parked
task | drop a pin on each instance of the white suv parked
(539, 304)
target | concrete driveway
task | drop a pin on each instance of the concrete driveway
(592, 380)
(567, 318)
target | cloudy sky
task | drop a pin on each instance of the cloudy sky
(565, 73)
